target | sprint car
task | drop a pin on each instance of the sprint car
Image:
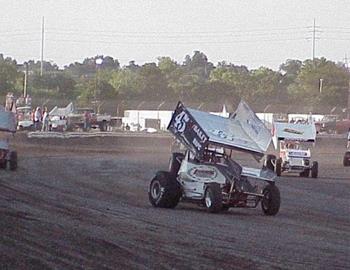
(293, 143)
(206, 173)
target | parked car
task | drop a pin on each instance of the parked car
(80, 116)
(24, 118)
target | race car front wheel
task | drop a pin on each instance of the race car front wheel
(269, 163)
(213, 198)
(271, 201)
(279, 167)
(314, 169)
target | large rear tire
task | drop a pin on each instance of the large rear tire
(164, 190)
(314, 169)
(279, 167)
(213, 198)
(271, 201)
(270, 160)
(3, 164)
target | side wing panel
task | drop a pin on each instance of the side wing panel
(186, 129)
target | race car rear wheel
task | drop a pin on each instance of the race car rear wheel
(346, 159)
(314, 169)
(3, 164)
(279, 166)
(213, 198)
(271, 201)
(175, 163)
(164, 190)
(13, 160)
(270, 160)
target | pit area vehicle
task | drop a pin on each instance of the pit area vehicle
(293, 142)
(7, 129)
(206, 173)
(58, 117)
(333, 124)
(78, 116)
(24, 118)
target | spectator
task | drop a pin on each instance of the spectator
(348, 144)
(87, 119)
(45, 125)
(37, 118)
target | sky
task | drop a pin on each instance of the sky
(253, 33)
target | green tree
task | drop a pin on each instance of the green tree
(306, 87)
(126, 83)
(153, 83)
(267, 84)
(8, 75)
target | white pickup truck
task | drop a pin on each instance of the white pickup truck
(77, 118)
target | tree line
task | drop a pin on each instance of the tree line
(312, 82)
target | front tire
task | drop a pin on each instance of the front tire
(314, 169)
(271, 201)
(3, 164)
(279, 167)
(213, 198)
(270, 159)
(164, 191)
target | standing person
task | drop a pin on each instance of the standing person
(87, 119)
(32, 116)
(37, 118)
(348, 144)
(45, 125)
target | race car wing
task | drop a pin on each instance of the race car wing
(243, 131)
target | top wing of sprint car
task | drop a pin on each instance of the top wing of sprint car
(242, 131)
(293, 132)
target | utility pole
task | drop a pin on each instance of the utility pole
(25, 80)
(313, 40)
(348, 110)
(347, 68)
(42, 47)
(314, 30)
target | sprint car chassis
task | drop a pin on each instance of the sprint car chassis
(206, 174)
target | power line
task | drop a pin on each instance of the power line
(170, 42)
(179, 32)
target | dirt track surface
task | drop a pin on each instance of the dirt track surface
(84, 205)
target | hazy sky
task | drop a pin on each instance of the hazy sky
(247, 32)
